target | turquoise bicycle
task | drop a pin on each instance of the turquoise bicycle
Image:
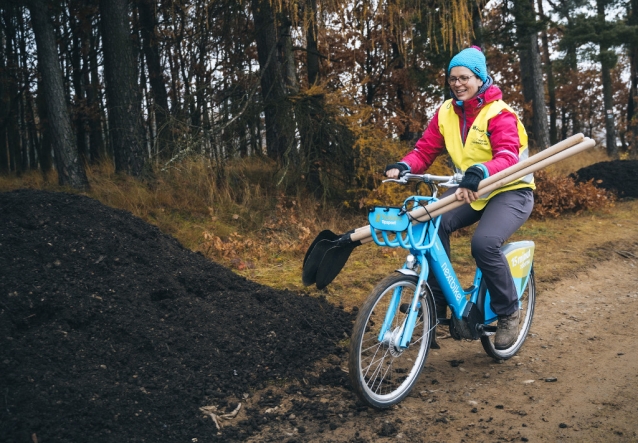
(395, 327)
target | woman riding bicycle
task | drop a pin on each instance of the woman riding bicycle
(483, 136)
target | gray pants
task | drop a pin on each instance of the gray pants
(501, 217)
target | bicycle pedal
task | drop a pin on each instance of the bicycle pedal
(443, 321)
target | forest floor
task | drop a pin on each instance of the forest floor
(112, 331)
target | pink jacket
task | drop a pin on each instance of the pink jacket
(503, 133)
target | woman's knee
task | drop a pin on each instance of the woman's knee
(485, 248)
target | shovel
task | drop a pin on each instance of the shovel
(331, 245)
(329, 252)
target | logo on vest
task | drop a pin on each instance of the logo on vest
(480, 136)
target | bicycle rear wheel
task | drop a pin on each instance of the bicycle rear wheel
(527, 303)
(383, 374)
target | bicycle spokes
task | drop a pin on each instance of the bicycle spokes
(381, 368)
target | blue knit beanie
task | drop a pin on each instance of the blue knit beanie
(473, 59)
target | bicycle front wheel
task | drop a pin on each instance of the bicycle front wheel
(526, 306)
(382, 373)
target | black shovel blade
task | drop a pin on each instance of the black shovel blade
(333, 262)
(313, 260)
(323, 235)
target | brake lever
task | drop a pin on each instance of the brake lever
(402, 180)
(453, 182)
(405, 178)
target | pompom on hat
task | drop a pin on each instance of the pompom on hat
(473, 59)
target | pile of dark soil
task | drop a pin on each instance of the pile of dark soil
(619, 176)
(111, 331)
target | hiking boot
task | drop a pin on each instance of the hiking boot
(507, 330)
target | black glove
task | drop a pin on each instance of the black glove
(472, 178)
(402, 167)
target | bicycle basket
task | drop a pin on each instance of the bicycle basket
(388, 218)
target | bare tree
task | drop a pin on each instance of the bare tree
(549, 72)
(632, 115)
(148, 24)
(277, 108)
(531, 69)
(607, 62)
(70, 170)
(122, 88)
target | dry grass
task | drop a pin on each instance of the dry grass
(238, 218)
(572, 164)
(242, 222)
(564, 246)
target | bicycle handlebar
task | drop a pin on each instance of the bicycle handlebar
(448, 181)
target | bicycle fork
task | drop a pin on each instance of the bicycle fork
(399, 338)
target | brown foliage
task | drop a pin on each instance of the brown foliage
(285, 229)
(555, 196)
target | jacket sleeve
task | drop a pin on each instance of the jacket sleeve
(505, 142)
(429, 146)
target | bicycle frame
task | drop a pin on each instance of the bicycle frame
(427, 253)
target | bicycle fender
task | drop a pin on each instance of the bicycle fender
(407, 272)
(520, 257)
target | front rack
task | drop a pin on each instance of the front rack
(407, 233)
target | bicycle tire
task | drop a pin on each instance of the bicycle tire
(381, 374)
(528, 302)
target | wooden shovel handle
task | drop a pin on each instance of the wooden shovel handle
(585, 144)
(501, 178)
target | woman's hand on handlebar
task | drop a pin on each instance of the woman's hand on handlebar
(392, 173)
(466, 195)
(395, 169)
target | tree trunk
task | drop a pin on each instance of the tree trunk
(608, 100)
(45, 152)
(571, 61)
(12, 90)
(607, 62)
(477, 23)
(94, 108)
(27, 154)
(4, 153)
(277, 108)
(34, 141)
(123, 99)
(551, 89)
(5, 100)
(79, 114)
(632, 116)
(531, 72)
(312, 51)
(70, 171)
(150, 46)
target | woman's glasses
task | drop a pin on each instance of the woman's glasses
(463, 79)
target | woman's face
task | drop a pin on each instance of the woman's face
(464, 91)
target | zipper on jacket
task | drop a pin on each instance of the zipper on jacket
(463, 134)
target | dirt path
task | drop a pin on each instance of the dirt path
(584, 336)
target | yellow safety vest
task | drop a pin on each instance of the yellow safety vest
(478, 148)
